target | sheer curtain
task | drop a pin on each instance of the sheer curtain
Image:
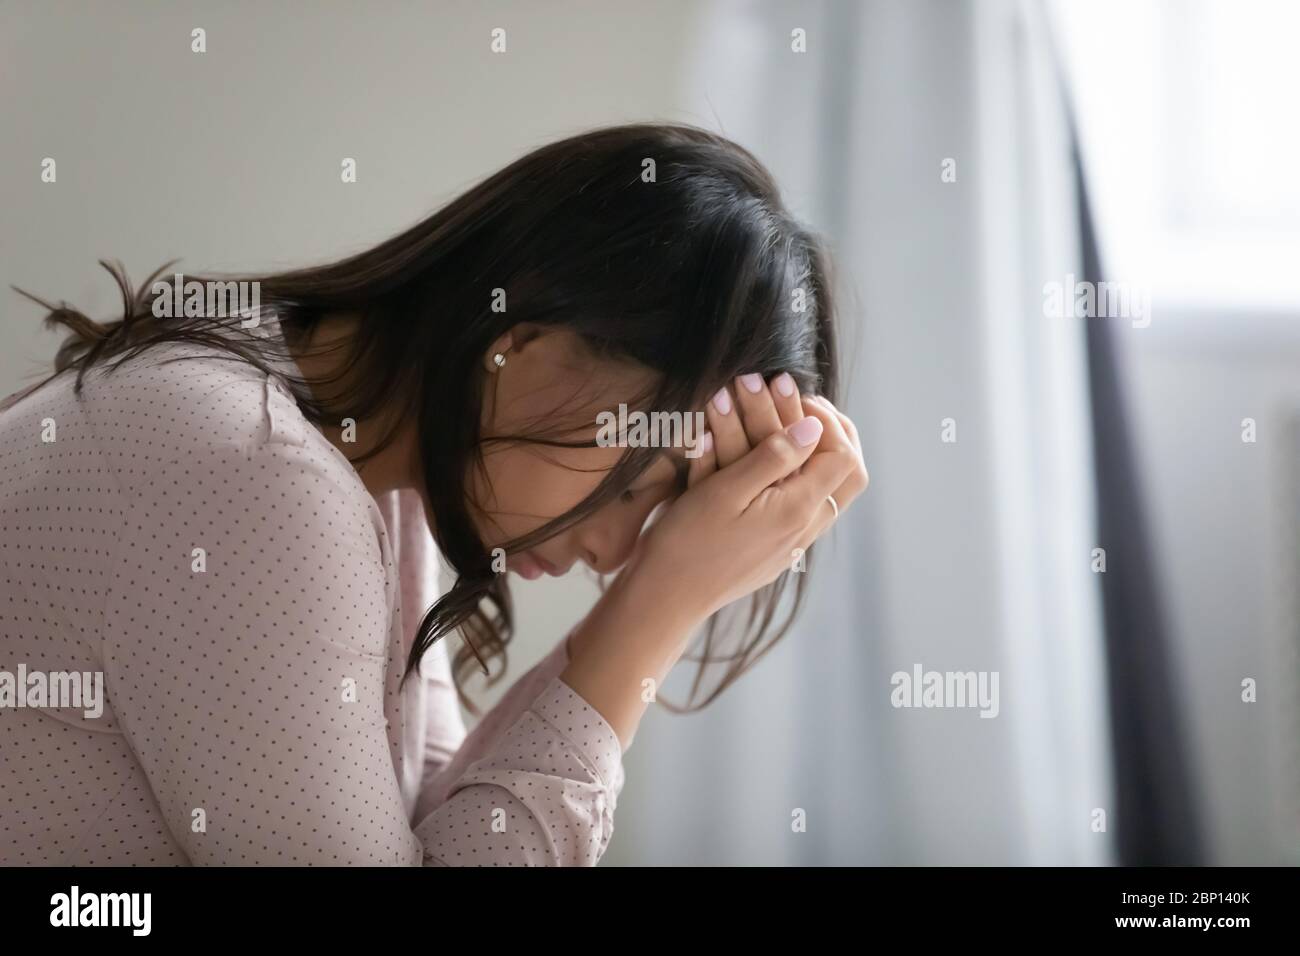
(965, 555)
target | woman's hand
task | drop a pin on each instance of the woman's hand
(756, 494)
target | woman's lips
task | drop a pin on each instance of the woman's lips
(530, 566)
(526, 566)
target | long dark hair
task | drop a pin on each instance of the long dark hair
(663, 244)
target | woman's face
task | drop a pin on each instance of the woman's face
(551, 383)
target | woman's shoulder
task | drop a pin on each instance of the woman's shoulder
(176, 408)
(133, 417)
(179, 401)
(185, 396)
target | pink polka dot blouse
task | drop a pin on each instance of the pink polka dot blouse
(182, 535)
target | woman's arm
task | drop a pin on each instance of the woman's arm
(256, 686)
(544, 794)
(488, 731)
(636, 633)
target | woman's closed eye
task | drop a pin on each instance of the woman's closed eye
(668, 488)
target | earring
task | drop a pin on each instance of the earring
(500, 359)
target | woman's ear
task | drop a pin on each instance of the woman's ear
(515, 340)
(498, 352)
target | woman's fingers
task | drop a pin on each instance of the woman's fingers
(856, 483)
(849, 428)
(802, 497)
(729, 441)
(705, 464)
(743, 415)
(835, 436)
(779, 455)
(805, 494)
(757, 409)
(823, 517)
(837, 439)
(785, 396)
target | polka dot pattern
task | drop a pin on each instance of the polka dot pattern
(191, 536)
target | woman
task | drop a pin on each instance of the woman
(212, 511)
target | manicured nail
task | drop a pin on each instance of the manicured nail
(706, 443)
(722, 401)
(753, 382)
(806, 431)
(784, 384)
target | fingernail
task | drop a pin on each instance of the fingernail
(806, 431)
(722, 401)
(785, 384)
(706, 443)
(753, 382)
